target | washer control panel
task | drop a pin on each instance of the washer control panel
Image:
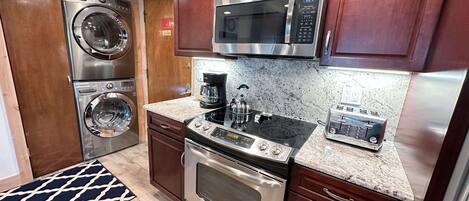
(241, 141)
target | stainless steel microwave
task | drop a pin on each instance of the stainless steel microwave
(290, 28)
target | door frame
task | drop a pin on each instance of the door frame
(141, 69)
(14, 121)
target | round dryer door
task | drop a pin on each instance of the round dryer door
(109, 115)
(102, 33)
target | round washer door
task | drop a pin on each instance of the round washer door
(110, 115)
(102, 32)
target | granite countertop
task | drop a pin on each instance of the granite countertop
(180, 109)
(380, 171)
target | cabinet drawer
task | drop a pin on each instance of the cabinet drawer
(166, 126)
(292, 196)
(318, 186)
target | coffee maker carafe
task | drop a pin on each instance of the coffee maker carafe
(213, 90)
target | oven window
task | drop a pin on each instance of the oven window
(257, 22)
(213, 185)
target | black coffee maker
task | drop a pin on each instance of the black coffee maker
(213, 90)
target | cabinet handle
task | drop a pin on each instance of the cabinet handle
(334, 196)
(328, 41)
(182, 158)
(164, 126)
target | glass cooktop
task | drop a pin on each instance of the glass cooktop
(286, 131)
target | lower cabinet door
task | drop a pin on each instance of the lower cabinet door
(166, 170)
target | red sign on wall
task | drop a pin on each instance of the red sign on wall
(167, 23)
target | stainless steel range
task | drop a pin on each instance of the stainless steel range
(234, 157)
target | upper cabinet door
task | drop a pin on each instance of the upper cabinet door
(450, 48)
(386, 34)
(194, 27)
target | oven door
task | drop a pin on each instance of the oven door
(210, 176)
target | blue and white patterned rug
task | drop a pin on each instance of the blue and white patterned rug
(89, 181)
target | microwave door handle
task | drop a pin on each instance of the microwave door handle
(289, 21)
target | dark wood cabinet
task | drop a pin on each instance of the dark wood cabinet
(169, 127)
(308, 184)
(392, 34)
(450, 48)
(165, 149)
(292, 196)
(193, 27)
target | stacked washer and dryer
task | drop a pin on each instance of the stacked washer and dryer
(101, 54)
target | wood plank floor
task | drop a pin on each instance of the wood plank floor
(131, 167)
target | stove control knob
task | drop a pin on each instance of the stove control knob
(263, 147)
(206, 127)
(198, 124)
(277, 151)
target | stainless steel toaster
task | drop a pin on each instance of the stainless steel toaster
(356, 126)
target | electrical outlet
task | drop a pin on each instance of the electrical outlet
(200, 77)
(352, 95)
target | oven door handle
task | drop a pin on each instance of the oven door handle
(234, 172)
(243, 175)
(289, 21)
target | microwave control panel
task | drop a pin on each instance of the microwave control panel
(305, 15)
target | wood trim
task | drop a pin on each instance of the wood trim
(14, 119)
(141, 68)
(10, 182)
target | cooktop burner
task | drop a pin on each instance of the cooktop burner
(286, 131)
(261, 139)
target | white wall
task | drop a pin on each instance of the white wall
(8, 162)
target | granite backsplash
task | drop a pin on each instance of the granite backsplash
(304, 90)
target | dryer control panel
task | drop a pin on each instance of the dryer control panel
(120, 5)
(87, 88)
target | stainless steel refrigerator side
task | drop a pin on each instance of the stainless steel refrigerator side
(458, 188)
(423, 126)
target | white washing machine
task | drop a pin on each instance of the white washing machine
(107, 115)
(99, 34)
